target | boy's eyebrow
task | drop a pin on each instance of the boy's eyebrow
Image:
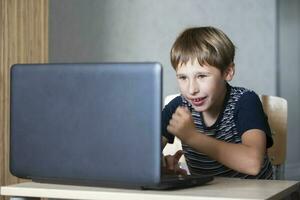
(204, 73)
(180, 75)
(201, 73)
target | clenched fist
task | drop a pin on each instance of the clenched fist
(181, 124)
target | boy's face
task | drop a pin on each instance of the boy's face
(203, 86)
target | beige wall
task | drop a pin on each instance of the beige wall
(23, 39)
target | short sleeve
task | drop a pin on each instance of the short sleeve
(250, 115)
(167, 113)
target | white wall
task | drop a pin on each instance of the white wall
(143, 30)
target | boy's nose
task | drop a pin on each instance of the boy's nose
(193, 88)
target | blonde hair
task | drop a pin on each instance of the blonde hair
(208, 45)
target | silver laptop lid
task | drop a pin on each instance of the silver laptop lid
(86, 122)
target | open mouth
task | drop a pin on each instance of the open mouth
(198, 101)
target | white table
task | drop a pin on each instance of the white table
(220, 188)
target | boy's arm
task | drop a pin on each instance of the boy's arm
(246, 157)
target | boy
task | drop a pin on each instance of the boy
(223, 129)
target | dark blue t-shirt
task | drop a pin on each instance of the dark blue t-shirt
(242, 111)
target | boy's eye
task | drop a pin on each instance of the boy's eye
(182, 77)
(201, 76)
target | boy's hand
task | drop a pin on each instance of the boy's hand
(171, 164)
(181, 124)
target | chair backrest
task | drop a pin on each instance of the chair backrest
(276, 110)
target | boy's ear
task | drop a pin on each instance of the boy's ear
(229, 72)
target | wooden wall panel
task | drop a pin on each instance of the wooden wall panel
(23, 39)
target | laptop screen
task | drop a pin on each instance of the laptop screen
(86, 122)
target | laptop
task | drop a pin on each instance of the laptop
(96, 124)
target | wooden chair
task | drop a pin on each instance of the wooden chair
(276, 110)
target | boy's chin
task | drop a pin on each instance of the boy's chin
(199, 109)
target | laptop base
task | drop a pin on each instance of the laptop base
(171, 182)
(179, 182)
